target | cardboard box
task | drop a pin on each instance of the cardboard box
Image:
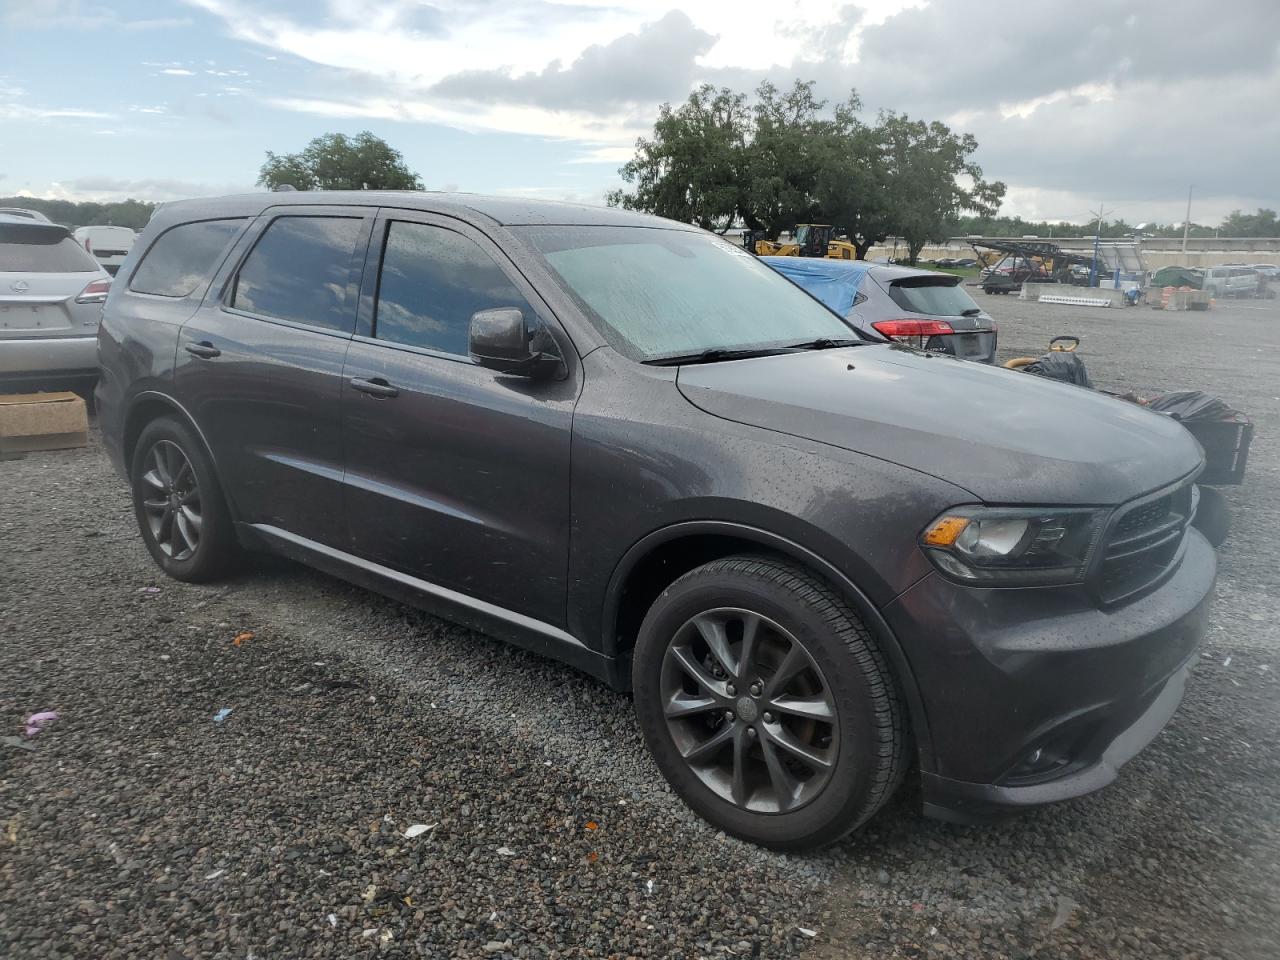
(42, 421)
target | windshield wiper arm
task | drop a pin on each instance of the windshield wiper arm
(715, 355)
(826, 343)
(971, 312)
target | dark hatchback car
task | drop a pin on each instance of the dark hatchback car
(921, 308)
(628, 444)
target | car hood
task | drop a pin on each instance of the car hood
(1005, 436)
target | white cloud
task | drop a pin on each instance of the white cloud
(178, 72)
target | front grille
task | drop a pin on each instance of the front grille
(1144, 543)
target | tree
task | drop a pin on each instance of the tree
(930, 178)
(338, 162)
(692, 168)
(785, 157)
(1260, 224)
(123, 213)
(851, 191)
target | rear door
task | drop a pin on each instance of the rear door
(259, 366)
(455, 474)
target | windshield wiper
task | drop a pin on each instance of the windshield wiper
(826, 343)
(715, 355)
(971, 312)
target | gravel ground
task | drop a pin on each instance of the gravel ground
(138, 827)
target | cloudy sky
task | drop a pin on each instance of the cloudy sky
(1072, 103)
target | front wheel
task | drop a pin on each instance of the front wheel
(179, 505)
(766, 703)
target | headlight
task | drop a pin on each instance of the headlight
(999, 546)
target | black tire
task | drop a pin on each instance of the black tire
(1213, 517)
(865, 745)
(195, 494)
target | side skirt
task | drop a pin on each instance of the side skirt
(482, 616)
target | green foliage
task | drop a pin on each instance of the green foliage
(1260, 224)
(692, 168)
(338, 162)
(123, 213)
(714, 161)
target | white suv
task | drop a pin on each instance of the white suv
(51, 296)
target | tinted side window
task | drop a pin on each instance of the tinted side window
(184, 257)
(432, 281)
(299, 270)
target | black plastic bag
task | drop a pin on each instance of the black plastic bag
(1191, 405)
(1061, 365)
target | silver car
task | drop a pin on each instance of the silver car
(51, 296)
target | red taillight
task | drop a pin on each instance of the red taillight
(899, 329)
(96, 292)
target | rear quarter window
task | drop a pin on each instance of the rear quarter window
(184, 257)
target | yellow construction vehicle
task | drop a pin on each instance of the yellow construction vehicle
(811, 240)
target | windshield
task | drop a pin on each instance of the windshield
(934, 296)
(657, 293)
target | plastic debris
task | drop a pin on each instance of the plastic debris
(215, 875)
(242, 637)
(148, 589)
(222, 715)
(1226, 662)
(1066, 907)
(506, 852)
(36, 722)
(648, 885)
(418, 829)
(592, 825)
(333, 919)
(806, 932)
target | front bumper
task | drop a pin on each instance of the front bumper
(1004, 673)
(51, 358)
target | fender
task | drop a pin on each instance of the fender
(177, 407)
(868, 611)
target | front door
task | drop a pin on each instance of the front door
(260, 367)
(455, 474)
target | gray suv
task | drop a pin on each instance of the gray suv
(625, 443)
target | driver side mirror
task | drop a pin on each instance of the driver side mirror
(501, 340)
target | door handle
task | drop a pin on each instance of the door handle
(375, 387)
(204, 350)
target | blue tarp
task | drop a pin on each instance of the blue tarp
(834, 282)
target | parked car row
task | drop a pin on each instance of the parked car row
(818, 556)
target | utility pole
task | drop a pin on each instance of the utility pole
(1097, 236)
(1186, 223)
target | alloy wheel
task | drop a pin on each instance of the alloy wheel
(749, 710)
(171, 499)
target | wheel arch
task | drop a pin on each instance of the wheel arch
(150, 405)
(662, 556)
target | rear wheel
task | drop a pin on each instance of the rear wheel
(178, 503)
(766, 703)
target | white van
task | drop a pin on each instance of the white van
(109, 245)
